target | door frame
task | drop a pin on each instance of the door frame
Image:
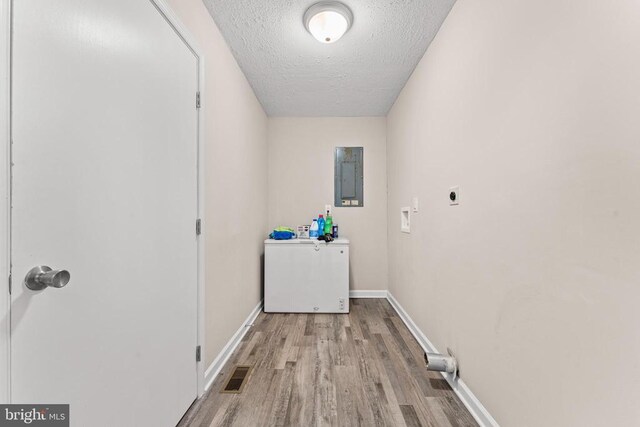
(181, 30)
(5, 185)
(5, 190)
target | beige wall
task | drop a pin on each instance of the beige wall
(301, 159)
(533, 280)
(235, 188)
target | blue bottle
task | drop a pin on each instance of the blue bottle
(313, 230)
(321, 223)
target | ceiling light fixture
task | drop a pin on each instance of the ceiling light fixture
(327, 21)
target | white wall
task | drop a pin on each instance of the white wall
(236, 183)
(301, 159)
(532, 107)
(4, 206)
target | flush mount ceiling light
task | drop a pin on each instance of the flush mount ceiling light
(327, 21)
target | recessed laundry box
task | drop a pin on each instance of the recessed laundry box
(306, 276)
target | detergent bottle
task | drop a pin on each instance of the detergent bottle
(313, 230)
(321, 223)
(328, 225)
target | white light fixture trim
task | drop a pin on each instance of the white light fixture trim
(327, 21)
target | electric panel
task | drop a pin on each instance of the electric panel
(348, 177)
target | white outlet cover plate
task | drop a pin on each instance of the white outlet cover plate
(415, 205)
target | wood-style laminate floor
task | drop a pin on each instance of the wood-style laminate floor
(360, 369)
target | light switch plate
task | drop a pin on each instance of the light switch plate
(415, 205)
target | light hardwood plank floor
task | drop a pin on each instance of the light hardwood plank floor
(360, 369)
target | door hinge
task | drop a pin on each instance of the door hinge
(198, 355)
(197, 99)
(10, 285)
(198, 227)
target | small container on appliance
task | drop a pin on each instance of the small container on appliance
(303, 231)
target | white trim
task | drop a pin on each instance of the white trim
(187, 38)
(367, 294)
(180, 29)
(475, 407)
(5, 185)
(201, 237)
(216, 366)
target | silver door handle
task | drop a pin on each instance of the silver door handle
(41, 277)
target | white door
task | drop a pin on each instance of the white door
(104, 186)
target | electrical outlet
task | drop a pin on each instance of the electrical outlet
(454, 196)
(327, 209)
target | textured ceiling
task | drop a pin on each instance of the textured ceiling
(362, 74)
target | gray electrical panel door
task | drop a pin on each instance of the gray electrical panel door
(348, 176)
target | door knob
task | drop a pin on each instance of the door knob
(41, 277)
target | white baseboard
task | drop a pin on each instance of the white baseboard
(214, 369)
(367, 294)
(471, 402)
